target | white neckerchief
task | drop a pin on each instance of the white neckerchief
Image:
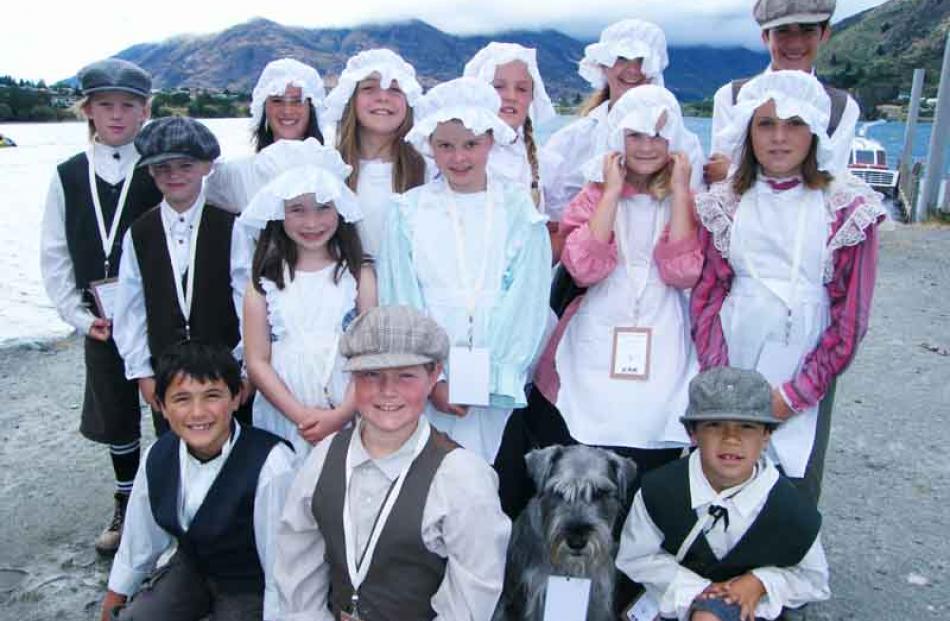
(107, 237)
(185, 295)
(629, 263)
(359, 568)
(472, 287)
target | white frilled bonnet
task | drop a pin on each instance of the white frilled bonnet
(640, 110)
(795, 93)
(629, 38)
(469, 100)
(277, 76)
(483, 65)
(391, 68)
(297, 167)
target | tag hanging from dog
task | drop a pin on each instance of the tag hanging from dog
(566, 599)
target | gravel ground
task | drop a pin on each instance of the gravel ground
(887, 481)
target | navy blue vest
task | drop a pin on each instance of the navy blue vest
(780, 536)
(220, 541)
(213, 318)
(82, 232)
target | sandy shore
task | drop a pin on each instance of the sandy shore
(887, 482)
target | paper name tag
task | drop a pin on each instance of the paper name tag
(469, 376)
(631, 353)
(105, 293)
(644, 608)
(566, 599)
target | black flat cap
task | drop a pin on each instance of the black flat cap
(174, 137)
(115, 74)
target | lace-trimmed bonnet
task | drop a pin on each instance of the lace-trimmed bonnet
(795, 93)
(640, 110)
(391, 68)
(277, 76)
(469, 100)
(628, 38)
(297, 167)
(483, 65)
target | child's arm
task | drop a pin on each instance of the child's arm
(590, 253)
(273, 483)
(130, 329)
(242, 255)
(300, 568)
(367, 295)
(678, 255)
(705, 303)
(849, 292)
(794, 586)
(56, 265)
(642, 557)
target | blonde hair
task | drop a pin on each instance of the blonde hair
(409, 169)
(593, 100)
(531, 148)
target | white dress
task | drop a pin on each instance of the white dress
(306, 318)
(374, 190)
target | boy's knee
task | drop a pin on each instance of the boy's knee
(703, 615)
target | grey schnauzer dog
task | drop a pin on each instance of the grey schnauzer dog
(567, 529)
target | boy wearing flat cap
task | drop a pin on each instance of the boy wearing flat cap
(93, 199)
(180, 261)
(390, 519)
(793, 31)
(722, 535)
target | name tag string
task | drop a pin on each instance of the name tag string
(472, 287)
(185, 293)
(107, 237)
(626, 254)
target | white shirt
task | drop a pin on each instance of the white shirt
(642, 558)
(143, 540)
(129, 327)
(462, 522)
(374, 191)
(56, 265)
(840, 140)
(233, 183)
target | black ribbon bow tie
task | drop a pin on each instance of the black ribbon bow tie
(718, 512)
(116, 156)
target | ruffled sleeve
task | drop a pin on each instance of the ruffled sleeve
(272, 299)
(397, 279)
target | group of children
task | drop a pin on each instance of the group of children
(382, 267)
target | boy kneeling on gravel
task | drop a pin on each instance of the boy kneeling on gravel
(722, 535)
(214, 487)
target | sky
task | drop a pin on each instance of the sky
(69, 34)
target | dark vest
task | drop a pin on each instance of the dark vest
(220, 540)
(405, 574)
(82, 232)
(780, 536)
(839, 100)
(213, 319)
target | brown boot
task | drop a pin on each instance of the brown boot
(108, 540)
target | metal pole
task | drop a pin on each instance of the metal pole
(938, 138)
(907, 155)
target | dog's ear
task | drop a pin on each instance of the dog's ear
(624, 473)
(540, 462)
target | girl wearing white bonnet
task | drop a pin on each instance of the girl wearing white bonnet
(795, 249)
(308, 280)
(473, 252)
(631, 239)
(367, 116)
(630, 53)
(284, 106)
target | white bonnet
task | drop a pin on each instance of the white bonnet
(277, 76)
(391, 68)
(486, 60)
(639, 110)
(297, 167)
(629, 38)
(469, 100)
(795, 93)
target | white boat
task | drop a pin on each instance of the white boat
(868, 161)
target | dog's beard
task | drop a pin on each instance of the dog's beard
(583, 563)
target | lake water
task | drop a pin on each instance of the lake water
(25, 171)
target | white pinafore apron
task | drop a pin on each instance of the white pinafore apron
(604, 411)
(778, 307)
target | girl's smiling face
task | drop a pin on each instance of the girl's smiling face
(514, 85)
(379, 110)
(288, 115)
(780, 145)
(461, 156)
(309, 224)
(624, 75)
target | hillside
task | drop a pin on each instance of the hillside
(234, 57)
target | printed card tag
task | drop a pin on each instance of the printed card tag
(631, 353)
(644, 608)
(469, 376)
(778, 361)
(105, 293)
(566, 599)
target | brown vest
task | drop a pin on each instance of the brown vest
(404, 574)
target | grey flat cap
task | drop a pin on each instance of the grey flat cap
(115, 74)
(174, 137)
(392, 336)
(729, 394)
(774, 13)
